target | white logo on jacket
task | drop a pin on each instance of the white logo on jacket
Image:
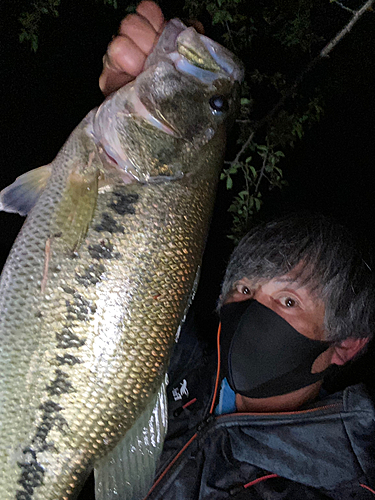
(178, 392)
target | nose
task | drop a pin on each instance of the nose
(262, 298)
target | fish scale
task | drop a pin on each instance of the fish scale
(176, 258)
(91, 299)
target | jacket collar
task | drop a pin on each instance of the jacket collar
(322, 446)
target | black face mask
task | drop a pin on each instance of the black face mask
(262, 354)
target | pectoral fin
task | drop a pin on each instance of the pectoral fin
(20, 196)
(128, 471)
(76, 208)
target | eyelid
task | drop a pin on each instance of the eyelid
(288, 295)
(240, 286)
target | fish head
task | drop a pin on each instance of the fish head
(179, 107)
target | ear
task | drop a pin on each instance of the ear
(347, 349)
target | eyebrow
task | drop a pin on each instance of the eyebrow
(295, 283)
(291, 281)
(287, 280)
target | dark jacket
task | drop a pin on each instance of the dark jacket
(325, 451)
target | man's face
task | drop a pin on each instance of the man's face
(289, 300)
(304, 312)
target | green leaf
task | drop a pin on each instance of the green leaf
(229, 183)
(279, 171)
(34, 43)
(254, 172)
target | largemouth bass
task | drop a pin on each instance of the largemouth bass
(100, 276)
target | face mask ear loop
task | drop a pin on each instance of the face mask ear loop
(218, 370)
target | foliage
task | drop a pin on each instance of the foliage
(30, 20)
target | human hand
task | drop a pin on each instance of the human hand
(127, 53)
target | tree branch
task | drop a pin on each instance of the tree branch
(344, 6)
(357, 14)
(261, 173)
(244, 146)
(323, 53)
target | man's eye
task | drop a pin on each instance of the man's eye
(288, 302)
(244, 290)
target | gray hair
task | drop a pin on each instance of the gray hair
(319, 254)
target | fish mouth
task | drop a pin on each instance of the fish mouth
(195, 54)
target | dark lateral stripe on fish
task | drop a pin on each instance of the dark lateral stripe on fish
(67, 339)
(68, 359)
(50, 407)
(92, 275)
(122, 203)
(50, 419)
(60, 385)
(79, 308)
(109, 224)
(104, 250)
(31, 474)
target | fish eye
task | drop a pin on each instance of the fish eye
(219, 103)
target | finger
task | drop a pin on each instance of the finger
(125, 55)
(111, 79)
(124, 61)
(152, 13)
(197, 25)
(140, 31)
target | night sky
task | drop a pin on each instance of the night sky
(45, 95)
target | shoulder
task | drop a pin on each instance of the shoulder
(190, 350)
(324, 451)
(191, 375)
